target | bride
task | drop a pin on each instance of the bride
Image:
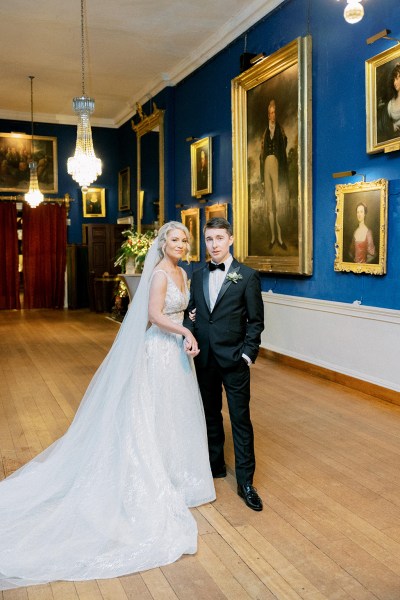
(112, 496)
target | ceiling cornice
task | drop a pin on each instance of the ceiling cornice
(231, 30)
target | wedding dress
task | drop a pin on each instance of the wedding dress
(111, 496)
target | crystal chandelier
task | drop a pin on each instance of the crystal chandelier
(34, 196)
(84, 166)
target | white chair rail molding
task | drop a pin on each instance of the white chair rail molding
(352, 339)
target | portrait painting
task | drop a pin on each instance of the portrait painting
(382, 73)
(191, 219)
(216, 210)
(272, 203)
(201, 167)
(94, 202)
(361, 227)
(16, 152)
(124, 189)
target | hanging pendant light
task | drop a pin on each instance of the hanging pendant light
(84, 166)
(354, 11)
(34, 196)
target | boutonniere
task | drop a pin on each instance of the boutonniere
(234, 277)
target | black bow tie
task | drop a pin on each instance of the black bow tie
(213, 266)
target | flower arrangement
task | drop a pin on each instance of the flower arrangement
(135, 247)
(234, 277)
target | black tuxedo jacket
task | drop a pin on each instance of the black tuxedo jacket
(235, 324)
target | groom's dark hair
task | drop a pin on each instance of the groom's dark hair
(218, 223)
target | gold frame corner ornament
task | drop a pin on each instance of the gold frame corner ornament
(374, 195)
(297, 52)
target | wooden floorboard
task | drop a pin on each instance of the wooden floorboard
(327, 468)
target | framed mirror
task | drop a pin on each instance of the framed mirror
(150, 168)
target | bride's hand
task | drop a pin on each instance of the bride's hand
(190, 344)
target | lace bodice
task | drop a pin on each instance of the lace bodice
(176, 301)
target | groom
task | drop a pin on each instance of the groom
(228, 324)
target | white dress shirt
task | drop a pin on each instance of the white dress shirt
(216, 280)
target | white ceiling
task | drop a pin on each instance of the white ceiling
(135, 48)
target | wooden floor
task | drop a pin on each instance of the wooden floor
(327, 469)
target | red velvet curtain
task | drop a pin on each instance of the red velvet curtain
(44, 252)
(9, 276)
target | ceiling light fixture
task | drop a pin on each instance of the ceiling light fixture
(84, 166)
(354, 11)
(34, 196)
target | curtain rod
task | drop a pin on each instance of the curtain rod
(20, 198)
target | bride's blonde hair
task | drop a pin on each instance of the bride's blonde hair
(163, 234)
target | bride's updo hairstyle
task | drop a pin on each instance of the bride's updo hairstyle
(163, 234)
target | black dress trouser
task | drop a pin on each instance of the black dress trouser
(236, 382)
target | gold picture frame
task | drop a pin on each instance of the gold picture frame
(201, 167)
(191, 219)
(15, 152)
(94, 202)
(383, 130)
(361, 227)
(272, 194)
(124, 189)
(216, 210)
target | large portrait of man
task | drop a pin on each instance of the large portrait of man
(272, 134)
(272, 161)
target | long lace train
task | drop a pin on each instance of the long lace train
(111, 496)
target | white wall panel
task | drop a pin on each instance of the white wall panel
(360, 341)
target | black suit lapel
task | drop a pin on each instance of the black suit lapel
(206, 289)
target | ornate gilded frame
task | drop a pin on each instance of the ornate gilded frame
(191, 219)
(205, 144)
(374, 195)
(287, 69)
(45, 154)
(155, 121)
(101, 193)
(216, 210)
(378, 87)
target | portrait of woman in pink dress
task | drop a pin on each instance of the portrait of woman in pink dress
(362, 248)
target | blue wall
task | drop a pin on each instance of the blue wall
(200, 106)
(203, 107)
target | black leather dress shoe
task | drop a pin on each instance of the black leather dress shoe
(282, 245)
(250, 496)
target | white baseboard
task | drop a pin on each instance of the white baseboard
(360, 341)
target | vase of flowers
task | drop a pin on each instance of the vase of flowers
(132, 253)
